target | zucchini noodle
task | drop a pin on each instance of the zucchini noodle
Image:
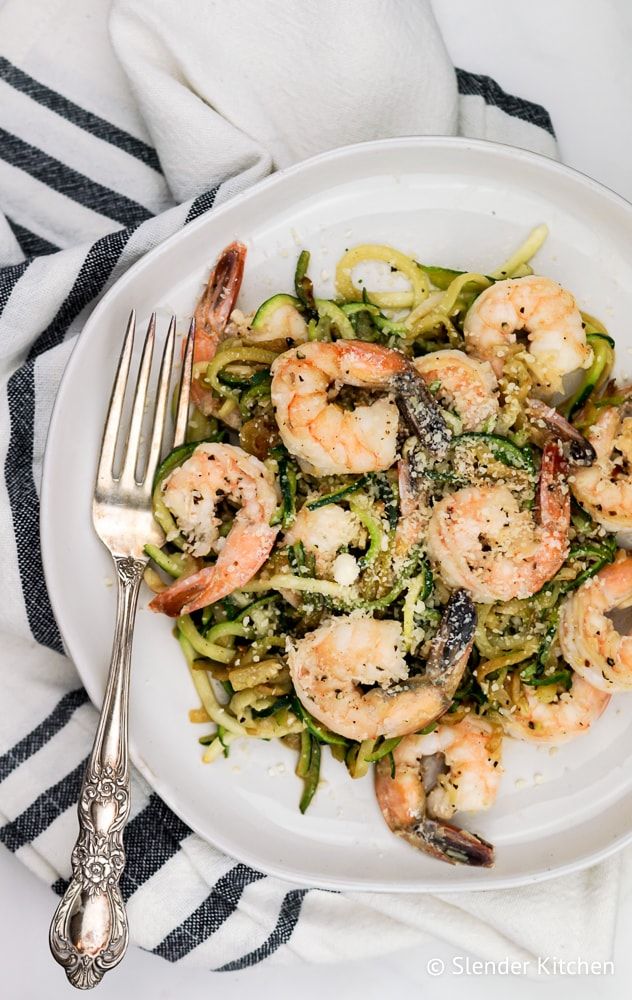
(523, 254)
(201, 645)
(332, 312)
(253, 674)
(594, 325)
(216, 712)
(419, 286)
(420, 320)
(358, 758)
(374, 530)
(229, 354)
(487, 667)
(413, 591)
(218, 747)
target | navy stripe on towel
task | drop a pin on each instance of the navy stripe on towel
(44, 810)
(9, 277)
(203, 203)
(23, 497)
(30, 243)
(25, 508)
(92, 277)
(70, 182)
(79, 116)
(151, 839)
(288, 918)
(211, 914)
(483, 86)
(38, 737)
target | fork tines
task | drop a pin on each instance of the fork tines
(132, 478)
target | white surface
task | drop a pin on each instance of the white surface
(30, 974)
(568, 55)
(451, 201)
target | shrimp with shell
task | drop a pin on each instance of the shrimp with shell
(215, 472)
(330, 440)
(211, 316)
(605, 489)
(464, 384)
(589, 638)
(480, 539)
(541, 309)
(431, 777)
(568, 715)
(351, 673)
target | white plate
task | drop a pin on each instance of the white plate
(449, 201)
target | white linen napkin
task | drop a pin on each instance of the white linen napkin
(105, 150)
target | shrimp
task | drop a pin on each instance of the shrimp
(331, 441)
(467, 385)
(455, 768)
(332, 666)
(212, 472)
(572, 713)
(605, 489)
(323, 533)
(212, 314)
(544, 310)
(589, 639)
(481, 540)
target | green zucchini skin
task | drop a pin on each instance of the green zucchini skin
(502, 449)
(265, 310)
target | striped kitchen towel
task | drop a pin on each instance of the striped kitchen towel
(109, 143)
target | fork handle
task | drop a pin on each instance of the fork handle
(89, 932)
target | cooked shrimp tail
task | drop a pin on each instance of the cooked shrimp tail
(411, 480)
(605, 490)
(211, 316)
(580, 450)
(414, 510)
(329, 440)
(450, 843)
(447, 660)
(333, 666)
(554, 502)
(219, 297)
(214, 582)
(480, 539)
(456, 768)
(421, 412)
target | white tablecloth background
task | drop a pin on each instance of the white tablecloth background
(572, 56)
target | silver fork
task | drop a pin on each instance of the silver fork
(89, 932)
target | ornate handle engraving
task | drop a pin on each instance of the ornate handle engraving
(89, 931)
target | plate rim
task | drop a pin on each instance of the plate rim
(166, 793)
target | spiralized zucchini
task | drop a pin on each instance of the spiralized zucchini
(419, 285)
(525, 252)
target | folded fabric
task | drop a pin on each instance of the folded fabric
(106, 149)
